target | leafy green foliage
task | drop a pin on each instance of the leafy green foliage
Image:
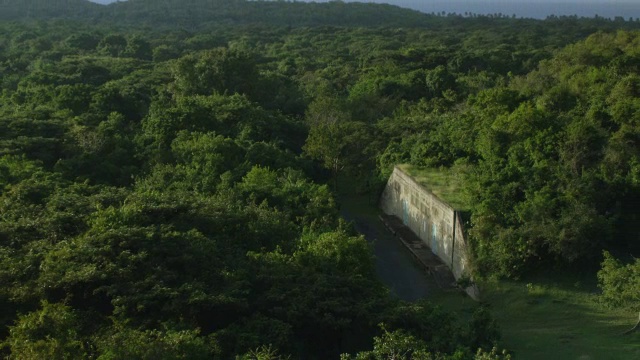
(395, 345)
(51, 332)
(543, 184)
(401, 345)
(161, 170)
(336, 141)
(125, 343)
(620, 283)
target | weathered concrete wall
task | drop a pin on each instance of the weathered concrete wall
(434, 221)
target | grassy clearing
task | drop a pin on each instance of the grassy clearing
(444, 183)
(544, 319)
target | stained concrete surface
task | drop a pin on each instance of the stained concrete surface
(433, 221)
(421, 252)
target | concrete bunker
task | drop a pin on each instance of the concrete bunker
(436, 222)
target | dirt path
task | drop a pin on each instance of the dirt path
(395, 266)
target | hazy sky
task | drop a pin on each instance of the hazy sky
(401, 2)
(521, 8)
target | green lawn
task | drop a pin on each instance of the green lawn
(548, 319)
(543, 320)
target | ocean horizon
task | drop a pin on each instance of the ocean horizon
(536, 9)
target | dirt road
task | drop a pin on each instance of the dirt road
(394, 264)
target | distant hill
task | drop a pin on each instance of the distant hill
(47, 9)
(189, 12)
(196, 13)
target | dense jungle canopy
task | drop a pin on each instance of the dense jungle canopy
(166, 170)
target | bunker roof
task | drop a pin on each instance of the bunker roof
(445, 183)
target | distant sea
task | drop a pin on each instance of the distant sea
(537, 9)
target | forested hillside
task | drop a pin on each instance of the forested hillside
(169, 171)
(49, 9)
(199, 13)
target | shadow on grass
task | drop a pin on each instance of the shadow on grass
(545, 320)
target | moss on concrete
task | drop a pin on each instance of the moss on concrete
(443, 182)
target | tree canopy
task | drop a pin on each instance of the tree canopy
(166, 167)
